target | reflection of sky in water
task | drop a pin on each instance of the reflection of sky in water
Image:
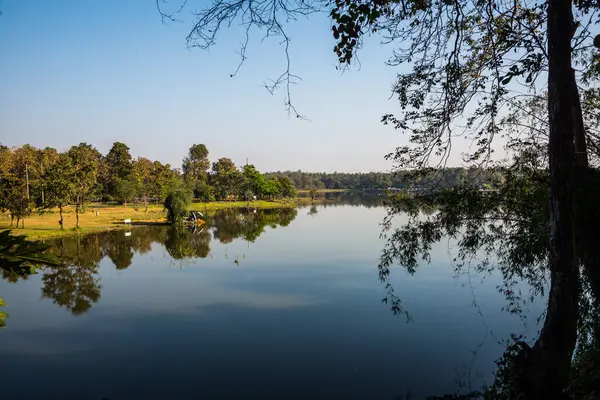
(300, 317)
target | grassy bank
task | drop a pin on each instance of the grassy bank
(103, 217)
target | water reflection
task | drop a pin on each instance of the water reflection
(303, 312)
(76, 285)
(351, 198)
(190, 242)
(248, 224)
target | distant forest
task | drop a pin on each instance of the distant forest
(449, 177)
(33, 178)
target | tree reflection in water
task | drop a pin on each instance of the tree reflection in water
(76, 285)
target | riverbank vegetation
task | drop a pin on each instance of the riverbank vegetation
(35, 183)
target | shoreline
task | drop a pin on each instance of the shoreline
(100, 217)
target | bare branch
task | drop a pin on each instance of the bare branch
(268, 16)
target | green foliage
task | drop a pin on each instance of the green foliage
(119, 161)
(253, 182)
(165, 180)
(177, 204)
(14, 169)
(287, 187)
(112, 170)
(272, 187)
(125, 190)
(443, 178)
(196, 164)
(204, 192)
(142, 178)
(20, 256)
(85, 160)
(505, 230)
(59, 183)
(225, 178)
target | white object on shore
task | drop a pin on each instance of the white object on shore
(127, 221)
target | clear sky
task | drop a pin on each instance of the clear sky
(100, 71)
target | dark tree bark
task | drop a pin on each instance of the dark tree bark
(553, 351)
(77, 213)
(581, 156)
(587, 222)
(586, 238)
(60, 210)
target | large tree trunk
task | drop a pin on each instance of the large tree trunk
(553, 351)
(581, 156)
(587, 239)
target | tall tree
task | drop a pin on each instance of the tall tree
(195, 165)
(287, 187)
(27, 170)
(60, 184)
(119, 165)
(165, 179)
(272, 187)
(142, 178)
(46, 158)
(225, 177)
(13, 183)
(254, 182)
(85, 160)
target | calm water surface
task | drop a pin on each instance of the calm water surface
(283, 304)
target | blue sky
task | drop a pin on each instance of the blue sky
(100, 71)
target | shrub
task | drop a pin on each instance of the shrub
(176, 204)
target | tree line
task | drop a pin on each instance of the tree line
(445, 178)
(39, 179)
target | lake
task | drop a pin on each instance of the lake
(273, 304)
